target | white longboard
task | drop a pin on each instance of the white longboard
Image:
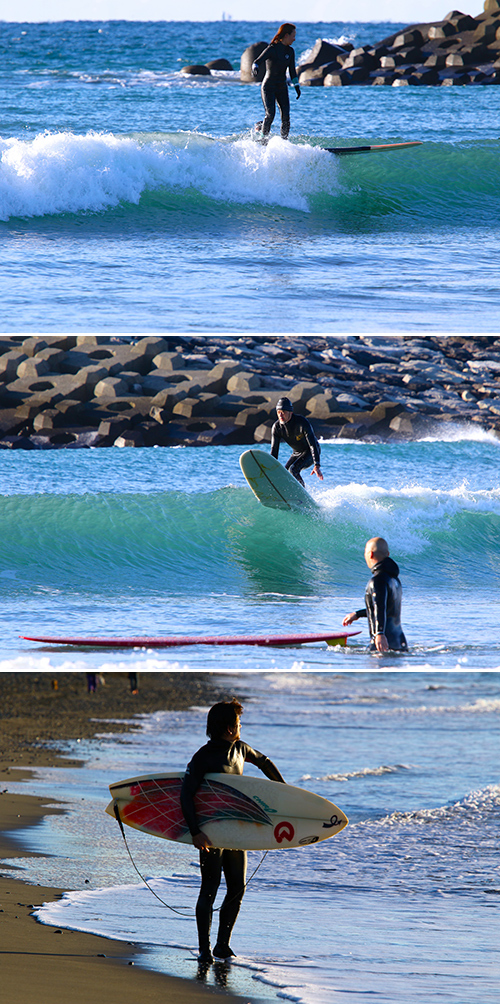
(272, 484)
(236, 812)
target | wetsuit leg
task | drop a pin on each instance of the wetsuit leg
(297, 462)
(269, 102)
(235, 867)
(211, 872)
(283, 100)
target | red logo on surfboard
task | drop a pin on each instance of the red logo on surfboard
(283, 831)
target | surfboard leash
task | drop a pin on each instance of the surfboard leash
(146, 883)
(143, 879)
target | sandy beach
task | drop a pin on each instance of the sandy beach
(42, 964)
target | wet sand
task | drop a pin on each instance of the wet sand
(42, 964)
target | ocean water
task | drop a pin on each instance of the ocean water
(146, 542)
(401, 906)
(132, 197)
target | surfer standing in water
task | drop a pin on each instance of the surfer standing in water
(297, 432)
(383, 597)
(225, 753)
(278, 57)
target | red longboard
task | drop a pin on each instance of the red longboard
(331, 638)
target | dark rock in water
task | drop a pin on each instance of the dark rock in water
(197, 69)
(247, 58)
(362, 57)
(338, 79)
(314, 77)
(459, 40)
(219, 64)
(322, 54)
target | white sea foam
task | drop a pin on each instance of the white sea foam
(67, 173)
(366, 772)
(58, 663)
(474, 807)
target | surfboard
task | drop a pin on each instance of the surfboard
(374, 148)
(272, 484)
(331, 638)
(236, 812)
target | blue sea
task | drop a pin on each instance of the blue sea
(172, 541)
(403, 905)
(133, 199)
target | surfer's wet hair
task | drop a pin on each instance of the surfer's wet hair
(223, 716)
(284, 29)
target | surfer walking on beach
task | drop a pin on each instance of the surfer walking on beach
(225, 753)
(383, 598)
(297, 432)
(279, 58)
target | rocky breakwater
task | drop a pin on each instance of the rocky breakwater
(93, 391)
(460, 49)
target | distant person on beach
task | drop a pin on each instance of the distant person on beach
(382, 599)
(278, 57)
(225, 753)
(297, 432)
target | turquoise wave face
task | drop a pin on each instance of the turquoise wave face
(178, 544)
(162, 176)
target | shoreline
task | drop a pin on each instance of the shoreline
(40, 961)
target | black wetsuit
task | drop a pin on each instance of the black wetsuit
(298, 434)
(219, 756)
(278, 59)
(383, 597)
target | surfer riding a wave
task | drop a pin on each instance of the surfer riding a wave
(297, 432)
(278, 58)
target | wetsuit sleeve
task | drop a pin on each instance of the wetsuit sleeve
(379, 597)
(275, 440)
(362, 613)
(192, 779)
(311, 440)
(291, 68)
(264, 764)
(266, 54)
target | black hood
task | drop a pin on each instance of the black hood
(388, 566)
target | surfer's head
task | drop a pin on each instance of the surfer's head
(223, 720)
(376, 549)
(285, 33)
(284, 409)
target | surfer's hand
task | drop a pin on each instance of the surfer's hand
(381, 643)
(202, 842)
(298, 92)
(317, 471)
(349, 618)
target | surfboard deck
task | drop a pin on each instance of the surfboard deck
(374, 148)
(235, 811)
(272, 484)
(331, 638)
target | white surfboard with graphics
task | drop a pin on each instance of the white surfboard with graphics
(235, 811)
